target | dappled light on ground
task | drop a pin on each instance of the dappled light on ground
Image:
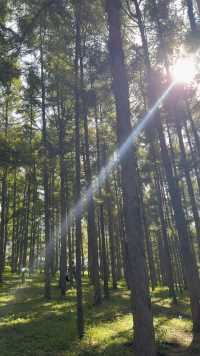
(31, 326)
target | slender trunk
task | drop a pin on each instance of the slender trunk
(194, 159)
(101, 214)
(147, 235)
(63, 206)
(189, 264)
(151, 135)
(190, 268)
(92, 230)
(3, 222)
(80, 318)
(191, 16)
(188, 258)
(13, 256)
(188, 179)
(198, 5)
(167, 255)
(26, 219)
(47, 288)
(33, 232)
(57, 232)
(53, 222)
(111, 240)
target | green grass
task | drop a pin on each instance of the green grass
(31, 326)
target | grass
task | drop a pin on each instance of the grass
(31, 326)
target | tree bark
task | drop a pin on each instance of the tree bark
(47, 287)
(191, 15)
(3, 222)
(80, 318)
(63, 203)
(143, 320)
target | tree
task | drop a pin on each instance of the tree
(80, 320)
(143, 320)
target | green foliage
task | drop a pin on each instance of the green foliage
(15, 151)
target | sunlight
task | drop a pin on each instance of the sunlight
(184, 70)
(116, 157)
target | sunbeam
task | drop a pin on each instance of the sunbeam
(115, 158)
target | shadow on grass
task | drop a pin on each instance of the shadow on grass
(29, 325)
(37, 327)
(32, 326)
(52, 333)
(170, 312)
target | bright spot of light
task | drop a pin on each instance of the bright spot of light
(184, 70)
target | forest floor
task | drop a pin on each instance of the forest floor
(30, 326)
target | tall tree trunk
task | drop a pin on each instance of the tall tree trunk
(188, 258)
(26, 219)
(101, 213)
(3, 222)
(33, 232)
(167, 255)
(14, 237)
(189, 264)
(191, 16)
(198, 5)
(4, 199)
(189, 181)
(53, 222)
(111, 239)
(151, 135)
(143, 320)
(63, 203)
(47, 287)
(92, 229)
(101, 149)
(193, 155)
(152, 270)
(80, 318)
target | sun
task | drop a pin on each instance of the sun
(184, 70)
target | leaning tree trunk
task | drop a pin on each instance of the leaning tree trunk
(143, 320)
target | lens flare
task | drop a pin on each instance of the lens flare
(184, 70)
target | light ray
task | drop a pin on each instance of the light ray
(115, 159)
